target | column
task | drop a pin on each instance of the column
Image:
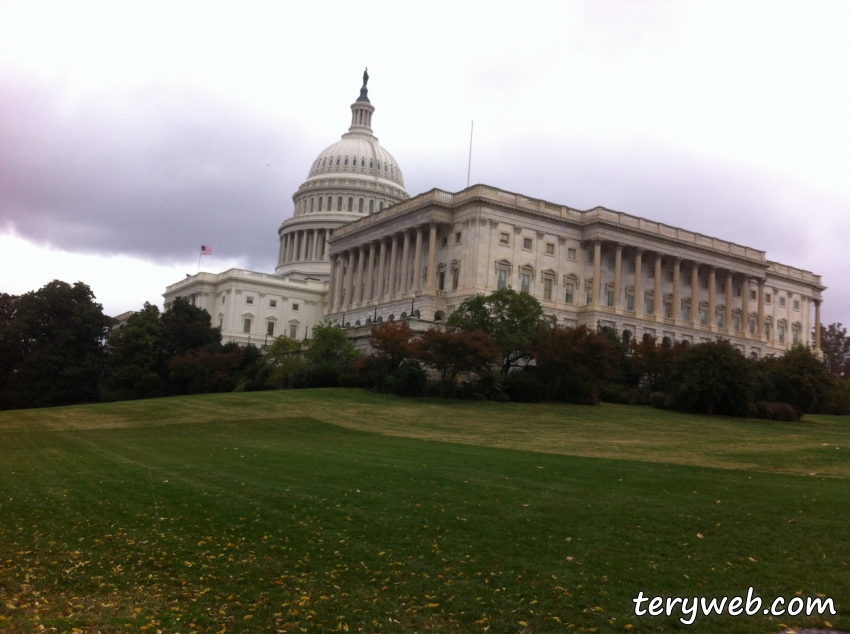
(380, 291)
(760, 322)
(745, 306)
(417, 261)
(291, 257)
(349, 280)
(818, 333)
(358, 281)
(391, 278)
(597, 272)
(638, 281)
(677, 302)
(282, 252)
(712, 297)
(370, 272)
(405, 264)
(729, 293)
(618, 274)
(695, 294)
(332, 287)
(658, 303)
(338, 262)
(432, 255)
(299, 245)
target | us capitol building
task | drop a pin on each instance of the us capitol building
(359, 250)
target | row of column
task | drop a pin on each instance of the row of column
(657, 299)
(304, 244)
(353, 281)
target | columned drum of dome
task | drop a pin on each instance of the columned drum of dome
(352, 178)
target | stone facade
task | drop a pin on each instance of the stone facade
(424, 256)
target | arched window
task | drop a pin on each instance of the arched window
(380, 205)
(379, 166)
(339, 204)
(360, 206)
(370, 163)
(312, 200)
(320, 203)
(371, 206)
(627, 337)
(363, 162)
(330, 203)
(350, 203)
(337, 160)
(324, 162)
(385, 167)
(346, 161)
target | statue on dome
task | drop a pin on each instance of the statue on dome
(365, 76)
(364, 91)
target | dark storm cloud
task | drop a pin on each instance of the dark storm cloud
(154, 174)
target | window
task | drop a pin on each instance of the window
(441, 280)
(222, 299)
(753, 295)
(444, 241)
(721, 287)
(525, 286)
(381, 206)
(362, 162)
(526, 243)
(272, 303)
(795, 335)
(293, 331)
(457, 237)
(703, 283)
(270, 328)
(796, 304)
(668, 308)
(610, 263)
(736, 323)
(346, 161)
(502, 279)
(648, 304)
(781, 334)
(781, 302)
(589, 294)
(752, 326)
(371, 206)
(550, 248)
(350, 203)
(246, 325)
(249, 299)
(455, 278)
(569, 292)
(686, 312)
(768, 298)
(669, 276)
(703, 316)
(630, 302)
(320, 203)
(360, 206)
(687, 280)
(504, 238)
(631, 267)
(312, 200)
(767, 330)
(547, 288)
(571, 254)
(651, 273)
(721, 320)
(737, 291)
(610, 297)
(591, 256)
(339, 204)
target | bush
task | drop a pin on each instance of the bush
(620, 394)
(712, 378)
(314, 375)
(658, 400)
(409, 379)
(278, 379)
(773, 411)
(524, 386)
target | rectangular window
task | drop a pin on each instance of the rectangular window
(441, 280)
(457, 237)
(591, 256)
(782, 334)
(220, 323)
(550, 248)
(590, 293)
(737, 292)
(610, 263)
(295, 307)
(547, 289)
(796, 304)
(767, 330)
(687, 280)
(753, 295)
(610, 298)
(222, 299)
(455, 278)
(525, 287)
(504, 238)
(648, 305)
(703, 283)
(630, 302)
(703, 317)
(631, 267)
(246, 325)
(721, 320)
(270, 328)
(444, 241)
(752, 326)
(526, 243)
(272, 303)
(571, 254)
(668, 309)
(650, 273)
(768, 298)
(249, 300)
(502, 279)
(736, 323)
(686, 312)
(568, 293)
(796, 336)
(721, 287)
(669, 276)
(293, 331)
(782, 302)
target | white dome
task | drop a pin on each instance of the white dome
(357, 154)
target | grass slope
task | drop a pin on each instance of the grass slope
(286, 511)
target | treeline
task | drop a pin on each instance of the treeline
(54, 351)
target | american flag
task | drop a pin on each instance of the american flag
(206, 250)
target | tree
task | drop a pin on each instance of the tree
(330, 345)
(835, 345)
(654, 362)
(394, 343)
(52, 343)
(575, 362)
(453, 352)
(512, 318)
(802, 380)
(137, 360)
(712, 378)
(186, 327)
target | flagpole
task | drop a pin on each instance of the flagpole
(199, 260)
(469, 166)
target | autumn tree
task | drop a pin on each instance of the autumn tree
(654, 361)
(453, 352)
(575, 362)
(393, 342)
(835, 345)
(510, 317)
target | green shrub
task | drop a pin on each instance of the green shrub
(314, 375)
(524, 386)
(773, 411)
(658, 400)
(410, 379)
(620, 394)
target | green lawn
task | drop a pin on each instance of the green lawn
(320, 510)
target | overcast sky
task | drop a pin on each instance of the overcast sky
(130, 134)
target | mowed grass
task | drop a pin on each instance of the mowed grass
(322, 510)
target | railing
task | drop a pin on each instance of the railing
(442, 293)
